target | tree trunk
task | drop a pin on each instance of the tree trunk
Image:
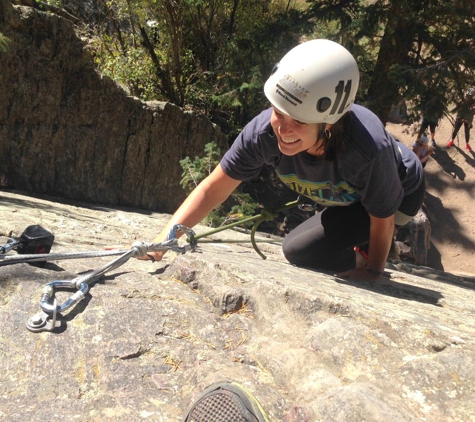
(383, 93)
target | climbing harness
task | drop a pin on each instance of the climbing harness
(35, 239)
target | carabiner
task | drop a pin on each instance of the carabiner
(190, 237)
(48, 294)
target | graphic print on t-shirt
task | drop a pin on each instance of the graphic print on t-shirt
(325, 193)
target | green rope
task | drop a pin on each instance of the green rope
(265, 215)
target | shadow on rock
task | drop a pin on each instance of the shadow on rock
(434, 259)
(77, 309)
(461, 281)
(398, 290)
(445, 227)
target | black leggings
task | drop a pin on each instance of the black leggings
(326, 240)
(467, 126)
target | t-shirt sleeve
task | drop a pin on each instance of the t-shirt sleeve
(381, 169)
(381, 189)
(252, 149)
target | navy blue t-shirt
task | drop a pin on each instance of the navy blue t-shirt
(373, 167)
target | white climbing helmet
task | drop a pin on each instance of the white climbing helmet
(315, 82)
(424, 139)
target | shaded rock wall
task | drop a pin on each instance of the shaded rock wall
(67, 131)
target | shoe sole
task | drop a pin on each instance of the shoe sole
(222, 402)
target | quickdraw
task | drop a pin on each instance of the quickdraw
(45, 320)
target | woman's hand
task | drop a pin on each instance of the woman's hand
(150, 256)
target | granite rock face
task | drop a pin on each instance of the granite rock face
(67, 131)
(412, 241)
(147, 338)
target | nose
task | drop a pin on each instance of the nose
(285, 126)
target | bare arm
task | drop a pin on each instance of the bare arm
(380, 239)
(210, 193)
(416, 150)
(429, 152)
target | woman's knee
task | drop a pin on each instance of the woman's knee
(291, 251)
(301, 255)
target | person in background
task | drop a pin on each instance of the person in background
(432, 112)
(465, 113)
(323, 146)
(422, 149)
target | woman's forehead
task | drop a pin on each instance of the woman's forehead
(276, 110)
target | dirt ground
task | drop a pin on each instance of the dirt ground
(450, 182)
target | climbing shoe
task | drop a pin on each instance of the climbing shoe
(226, 402)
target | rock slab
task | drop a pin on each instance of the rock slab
(148, 338)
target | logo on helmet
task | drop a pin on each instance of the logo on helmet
(290, 85)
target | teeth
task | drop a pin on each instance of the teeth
(289, 141)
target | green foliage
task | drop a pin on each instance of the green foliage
(207, 55)
(198, 169)
(238, 206)
(214, 56)
(54, 3)
(4, 41)
(244, 206)
(406, 49)
(135, 71)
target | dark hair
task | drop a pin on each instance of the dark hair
(339, 133)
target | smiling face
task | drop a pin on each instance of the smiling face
(294, 136)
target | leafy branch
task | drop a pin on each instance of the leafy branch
(239, 205)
